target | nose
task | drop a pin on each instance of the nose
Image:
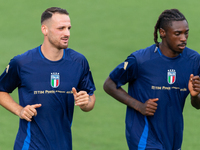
(67, 32)
(184, 37)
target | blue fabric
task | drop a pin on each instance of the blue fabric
(143, 139)
(28, 138)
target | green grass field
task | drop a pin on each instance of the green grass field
(106, 32)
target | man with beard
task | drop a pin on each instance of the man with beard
(160, 77)
(50, 79)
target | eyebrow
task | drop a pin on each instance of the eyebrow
(180, 30)
(61, 26)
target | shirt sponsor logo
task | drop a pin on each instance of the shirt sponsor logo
(171, 76)
(55, 80)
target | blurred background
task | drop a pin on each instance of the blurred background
(106, 32)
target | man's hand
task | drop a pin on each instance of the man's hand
(81, 98)
(194, 85)
(149, 107)
(29, 111)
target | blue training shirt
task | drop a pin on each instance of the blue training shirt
(41, 81)
(153, 75)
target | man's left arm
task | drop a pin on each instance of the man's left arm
(84, 100)
(194, 88)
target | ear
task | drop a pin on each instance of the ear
(44, 29)
(162, 33)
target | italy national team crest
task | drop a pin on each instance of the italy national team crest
(171, 76)
(55, 80)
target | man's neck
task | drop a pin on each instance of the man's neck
(51, 53)
(166, 51)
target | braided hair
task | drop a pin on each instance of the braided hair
(164, 20)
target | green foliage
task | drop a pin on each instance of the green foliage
(106, 32)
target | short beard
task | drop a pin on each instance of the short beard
(58, 46)
(61, 47)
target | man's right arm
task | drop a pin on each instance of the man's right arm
(7, 102)
(23, 112)
(148, 108)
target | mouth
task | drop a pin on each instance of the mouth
(65, 39)
(182, 46)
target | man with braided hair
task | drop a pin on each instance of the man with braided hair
(160, 77)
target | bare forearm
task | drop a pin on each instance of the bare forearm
(7, 102)
(121, 95)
